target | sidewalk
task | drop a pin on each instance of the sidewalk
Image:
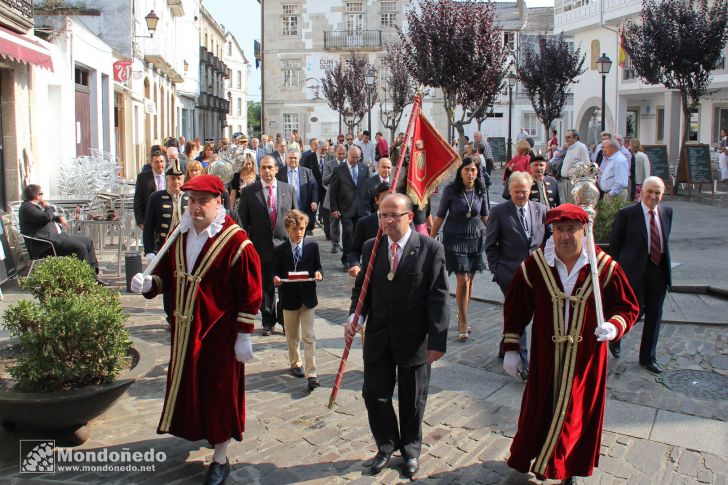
(652, 433)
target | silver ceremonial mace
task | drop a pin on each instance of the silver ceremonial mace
(586, 195)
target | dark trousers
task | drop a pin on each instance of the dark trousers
(412, 383)
(80, 246)
(325, 215)
(651, 297)
(523, 340)
(268, 310)
(347, 235)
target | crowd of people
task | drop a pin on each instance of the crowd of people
(533, 244)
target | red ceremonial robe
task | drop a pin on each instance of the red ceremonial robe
(562, 410)
(205, 396)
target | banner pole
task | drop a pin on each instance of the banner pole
(416, 107)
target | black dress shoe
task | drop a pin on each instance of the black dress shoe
(217, 473)
(313, 383)
(101, 282)
(615, 350)
(333, 249)
(297, 371)
(568, 481)
(379, 461)
(410, 466)
(266, 331)
(652, 367)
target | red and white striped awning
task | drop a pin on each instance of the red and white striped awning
(21, 48)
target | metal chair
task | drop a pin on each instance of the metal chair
(38, 255)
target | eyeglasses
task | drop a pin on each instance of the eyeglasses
(391, 217)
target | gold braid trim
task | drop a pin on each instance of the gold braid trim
(239, 252)
(622, 323)
(525, 274)
(567, 375)
(187, 285)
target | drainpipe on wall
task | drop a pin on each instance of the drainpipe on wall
(615, 115)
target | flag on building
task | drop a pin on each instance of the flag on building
(621, 54)
(432, 161)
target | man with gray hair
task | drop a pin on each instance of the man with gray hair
(515, 229)
(576, 152)
(172, 156)
(624, 150)
(613, 172)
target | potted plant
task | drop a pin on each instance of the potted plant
(71, 355)
(603, 221)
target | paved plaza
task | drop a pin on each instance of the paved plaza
(653, 435)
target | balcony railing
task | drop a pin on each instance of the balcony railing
(345, 39)
(18, 14)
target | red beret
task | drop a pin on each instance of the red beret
(567, 212)
(205, 183)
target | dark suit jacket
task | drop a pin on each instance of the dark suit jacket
(254, 218)
(310, 160)
(628, 242)
(506, 244)
(365, 229)
(552, 191)
(158, 218)
(280, 161)
(345, 197)
(38, 221)
(145, 187)
(293, 295)
(367, 193)
(410, 314)
(309, 187)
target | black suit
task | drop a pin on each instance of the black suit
(280, 160)
(311, 160)
(345, 197)
(40, 222)
(145, 187)
(293, 295)
(308, 188)
(405, 318)
(551, 189)
(366, 229)
(507, 246)
(254, 218)
(367, 193)
(629, 246)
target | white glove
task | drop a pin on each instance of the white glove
(512, 364)
(141, 283)
(243, 348)
(150, 257)
(607, 332)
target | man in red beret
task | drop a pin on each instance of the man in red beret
(213, 275)
(562, 411)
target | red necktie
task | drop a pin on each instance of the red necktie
(271, 207)
(655, 246)
(395, 258)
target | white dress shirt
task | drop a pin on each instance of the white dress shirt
(646, 212)
(568, 279)
(196, 241)
(160, 181)
(527, 215)
(400, 249)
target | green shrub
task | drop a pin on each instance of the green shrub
(71, 337)
(606, 213)
(62, 276)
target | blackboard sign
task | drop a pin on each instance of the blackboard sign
(700, 169)
(498, 145)
(659, 164)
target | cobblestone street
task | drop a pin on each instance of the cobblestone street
(652, 434)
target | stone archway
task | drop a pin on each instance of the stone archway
(589, 120)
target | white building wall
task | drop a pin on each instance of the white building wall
(236, 86)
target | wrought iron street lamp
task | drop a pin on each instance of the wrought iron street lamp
(604, 64)
(512, 79)
(151, 19)
(370, 85)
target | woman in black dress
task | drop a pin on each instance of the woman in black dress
(463, 202)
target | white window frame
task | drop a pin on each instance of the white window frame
(290, 25)
(290, 8)
(389, 6)
(354, 7)
(240, 80)
(290, 123)
(291, 73)
(533, 126)
(388, 19)
(239, 111)
(354, 22)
